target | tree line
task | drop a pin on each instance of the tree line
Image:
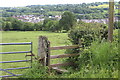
(65, 23)
(52, 10)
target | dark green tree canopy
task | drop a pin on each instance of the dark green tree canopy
(67, 21)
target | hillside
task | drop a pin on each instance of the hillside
(96, 10)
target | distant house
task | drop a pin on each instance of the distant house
(104, 21)
(30, 18)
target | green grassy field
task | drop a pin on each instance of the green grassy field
(56, 39)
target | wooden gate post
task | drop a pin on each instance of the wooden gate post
(48, 55)
(111, 20)
(44, 50)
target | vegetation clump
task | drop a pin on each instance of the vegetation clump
(38, 71)
(100, 61)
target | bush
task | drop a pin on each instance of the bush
(100, 61)
(104, 52)
(84, 34)
(87, 33)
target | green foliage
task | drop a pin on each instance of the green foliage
(104, 52)
(92, 73)
(101, 61)
(117, 25)
(17, 25)
(97, 55)
(88, 67)
(37, 71)
(116, 35)
(11, 24)
(45, 24)
(67, 21)
(84, 34)
(51, 25)
(94, 9)
(96, 62)
(64, 24)
(38, 26)
(87, 33)
(28, 26)
(6, 25)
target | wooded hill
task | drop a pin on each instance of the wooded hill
(96, 10)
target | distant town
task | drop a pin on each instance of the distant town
(35, 18)
(41, 18)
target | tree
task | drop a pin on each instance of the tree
(28, 26)
(67, 21)
(7, 26)
(46, 24)
(38, 26)
(51, 25)
(16, 24)
(57, 27)
(54, 27)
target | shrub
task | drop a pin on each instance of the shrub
(104, 52)
(100, 61)
(87, 33)
(84, 34)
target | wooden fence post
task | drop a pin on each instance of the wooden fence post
(48, 55)
(111, 20)
(43, 50)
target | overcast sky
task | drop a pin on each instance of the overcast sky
(21, 3)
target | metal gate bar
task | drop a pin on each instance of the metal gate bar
(15, 61)
(26, 43)
(17, 68)
(15, 52)
(11, 75)
(5, 70)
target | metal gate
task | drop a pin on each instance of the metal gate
(18, 52)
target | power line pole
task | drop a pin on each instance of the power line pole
(111, 20)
